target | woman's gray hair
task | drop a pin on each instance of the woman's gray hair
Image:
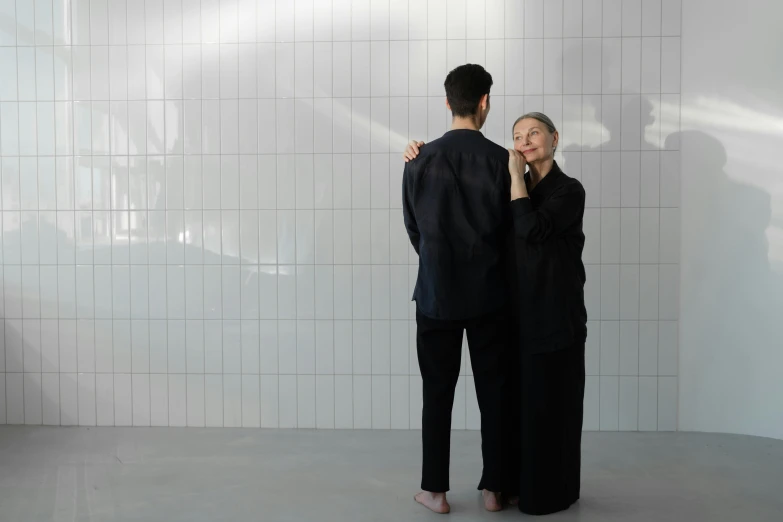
(540, 116)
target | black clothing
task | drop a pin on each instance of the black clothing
(552, 387)
(455, 204)
(546, 373)
(439, 348)
(550, 273)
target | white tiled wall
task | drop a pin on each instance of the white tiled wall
(201, 213)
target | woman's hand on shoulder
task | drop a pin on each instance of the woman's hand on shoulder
(412, 150)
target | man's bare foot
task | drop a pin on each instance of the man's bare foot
(433, 501)
(491, 500)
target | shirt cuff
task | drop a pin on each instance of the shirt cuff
(522, 206)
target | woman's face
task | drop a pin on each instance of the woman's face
(533, 139)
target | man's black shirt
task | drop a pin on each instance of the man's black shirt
(456, 197)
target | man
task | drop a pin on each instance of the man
(456, 196)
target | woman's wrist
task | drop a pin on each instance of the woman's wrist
(518, 187)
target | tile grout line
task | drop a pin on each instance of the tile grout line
(112, 214)
(3, 328)
(239, 242)
(601, 233)
(146, 198)
(277, 221)
(295, 266)
(257, 205)
(639, 302)
(73, 172)
(18, 124)
(201, 197)
(661, 147)
(619, 271)
(37, 221)
(315, 246)
(388, 187)
(353, 303)
(334, 319)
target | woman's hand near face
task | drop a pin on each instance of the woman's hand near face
(516, 164)
(412, 150)
(516, 169)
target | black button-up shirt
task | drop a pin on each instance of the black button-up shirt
(456, 206)
(550, 273)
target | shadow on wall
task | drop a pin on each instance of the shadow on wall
(606, 134)
(732, 289)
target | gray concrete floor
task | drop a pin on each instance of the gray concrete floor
(119, 474)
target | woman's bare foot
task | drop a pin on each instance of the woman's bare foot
(433, 501)
(491, 500)
(514, 501)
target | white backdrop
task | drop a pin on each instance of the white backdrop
(201, 218)
(732, 281)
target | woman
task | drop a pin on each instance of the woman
(548, 369)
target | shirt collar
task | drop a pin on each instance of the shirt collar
(547, 185)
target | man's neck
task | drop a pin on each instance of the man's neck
(469, 123)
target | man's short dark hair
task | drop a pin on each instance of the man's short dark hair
(465, 86)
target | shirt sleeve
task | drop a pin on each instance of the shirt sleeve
(552, 217)
(407, 206)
